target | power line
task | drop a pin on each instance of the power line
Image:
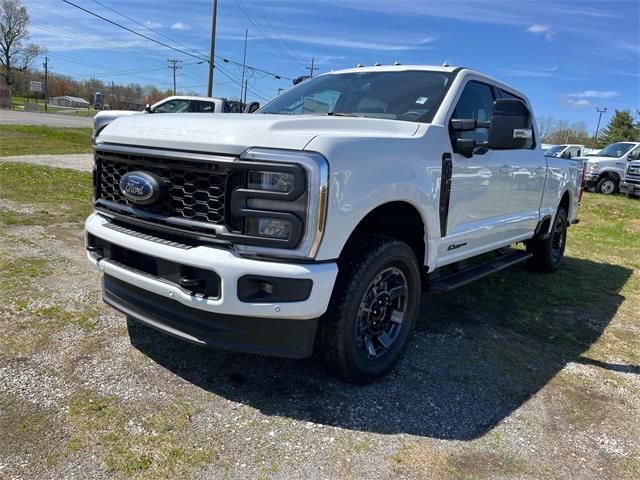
(199, 56)
(247, 14)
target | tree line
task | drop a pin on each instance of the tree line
(621, 127)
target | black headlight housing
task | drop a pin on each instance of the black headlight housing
(278, 200)
(268, 204)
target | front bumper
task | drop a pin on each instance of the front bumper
(630, 188)
(282, 329)
(590, 179)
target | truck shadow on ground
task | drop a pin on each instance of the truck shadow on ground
(478, 354)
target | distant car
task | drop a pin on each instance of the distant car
(175, 104)
(565, 151)
(605, 171)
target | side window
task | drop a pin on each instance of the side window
(505, 94)
(574, 152)
(476, 102)
(173, 106)
(206, 107)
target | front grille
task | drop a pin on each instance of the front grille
(196, 190)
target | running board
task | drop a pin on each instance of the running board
(468, 275)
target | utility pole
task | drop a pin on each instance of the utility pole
(600, 112)
(46, 81)
(174, 66)
(246, 87)
(212, 53)
(312, 68)
(244, 61)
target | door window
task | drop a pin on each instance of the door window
(476, 102)
(206, 107)
(173, 106)
(574, 152)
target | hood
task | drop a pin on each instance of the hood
(596, 159)
(229, 133)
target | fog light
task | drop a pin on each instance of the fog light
(269, 227)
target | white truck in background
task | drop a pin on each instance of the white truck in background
(175, 104)
(568, 150)
(630, 184)
(605, 171)
(315, 224)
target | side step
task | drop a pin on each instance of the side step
(468, 275)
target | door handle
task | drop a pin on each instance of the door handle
(507, 169)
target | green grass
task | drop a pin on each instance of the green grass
(48, 195)
(40, 140)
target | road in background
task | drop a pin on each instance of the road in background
(76, 161)
(12, 117)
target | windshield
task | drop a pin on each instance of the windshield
(555, 151)
(616, 150)
(412, 96)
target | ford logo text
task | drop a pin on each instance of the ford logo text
(141, 187)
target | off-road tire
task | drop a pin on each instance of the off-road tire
(548, 252)
(339, 345)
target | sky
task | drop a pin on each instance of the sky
(568, 57)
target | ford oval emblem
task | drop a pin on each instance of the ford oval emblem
(141, 187)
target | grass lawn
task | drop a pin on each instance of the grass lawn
(40, 140)
(519, 375)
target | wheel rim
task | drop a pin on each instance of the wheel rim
(607, 187)
(382, 311)
(557, 240)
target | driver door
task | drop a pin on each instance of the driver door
(480, 185)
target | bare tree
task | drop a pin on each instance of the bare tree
(546, 125)
(15, 51)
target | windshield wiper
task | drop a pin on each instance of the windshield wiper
(340, 114)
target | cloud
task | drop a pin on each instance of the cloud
(539, 29)
(152, 24)
(357, 44)
(531, 72)
(593, 94)
(582, 103)
(180, 26)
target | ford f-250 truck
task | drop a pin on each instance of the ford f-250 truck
(630, 184)
(315, 224)
(605, 170)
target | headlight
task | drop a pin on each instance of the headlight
(592, 167)
(278, 205)
(271, 181)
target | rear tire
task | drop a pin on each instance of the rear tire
(607, 186)
(548, 252)
(373, 309)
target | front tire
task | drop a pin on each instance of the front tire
(549, 252)
(607, 186)
(373, 309)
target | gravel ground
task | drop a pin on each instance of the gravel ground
(16, 117)
(87, 395)
(76, 161)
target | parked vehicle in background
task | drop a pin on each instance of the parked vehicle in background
(565, 151)
(318, 221)
(605, 170)
(545, 147)
(175, 104)
(630, 184)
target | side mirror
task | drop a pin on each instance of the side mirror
(147, 108)
(252, 107)
(511, 127)
(300, 79)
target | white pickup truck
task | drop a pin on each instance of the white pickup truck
(315, 224)
(605, 170)
(630, 184)
(174, 104)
